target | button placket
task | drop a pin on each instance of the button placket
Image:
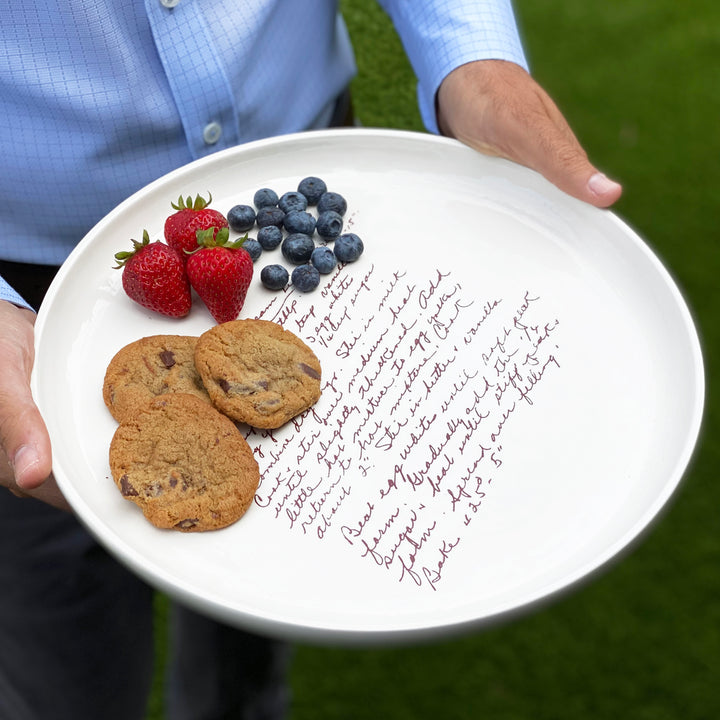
(195, 74)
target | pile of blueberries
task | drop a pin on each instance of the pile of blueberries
(286, 222)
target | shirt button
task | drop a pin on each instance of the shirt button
(212, 133)
(169, 3)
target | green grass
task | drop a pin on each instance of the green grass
(639, 83)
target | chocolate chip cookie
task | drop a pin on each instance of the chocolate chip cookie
(258, 373)
(185, 464)
(148, 367)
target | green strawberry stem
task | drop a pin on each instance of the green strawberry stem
(212, 237)
(124, 255)
(200, 203)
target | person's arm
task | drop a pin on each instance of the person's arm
(25, 454)
(474, 85)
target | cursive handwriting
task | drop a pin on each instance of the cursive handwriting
(423, 378)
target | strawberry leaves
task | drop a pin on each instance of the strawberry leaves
(216, 237)
(200, 203)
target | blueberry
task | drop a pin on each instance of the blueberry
(292, 201)
(274, 277)
(253, 247)
(241, 218)
(312, 188)
(305, 278)
(270, 215)
(332, 201)
(269, 237)
(297, 248)
(329, 225)
(299, 221)
(348, 247)
(265, 197)
(323, 258)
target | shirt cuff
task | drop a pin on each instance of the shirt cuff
(443, 35)
(7, 293)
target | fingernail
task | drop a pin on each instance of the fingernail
(600, 184)
(25, 459)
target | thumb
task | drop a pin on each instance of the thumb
(538, 135)
(563, 162)
(23, 435)
(25, 440)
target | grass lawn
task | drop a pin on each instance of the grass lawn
(639, 83)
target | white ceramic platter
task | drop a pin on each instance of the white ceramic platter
(513, 387)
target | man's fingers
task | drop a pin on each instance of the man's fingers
(48, 493)
(552, 150)
(497, 108)
(24, 438)
(564, 163)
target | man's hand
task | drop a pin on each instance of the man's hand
(497, 108)
(25, 455)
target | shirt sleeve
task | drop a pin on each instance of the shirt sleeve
(441, 35)
(7, 293)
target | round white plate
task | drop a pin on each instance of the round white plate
(513, 387)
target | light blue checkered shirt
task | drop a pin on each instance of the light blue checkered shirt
(99, 98)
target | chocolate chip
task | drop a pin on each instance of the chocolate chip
(312, 372)
(252, 388)
(187, 523)
(126, 487)
(167, 358)
(243, 388)
(268, 406)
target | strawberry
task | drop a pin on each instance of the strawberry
(190, 216)
(154, 276)
(220, 271)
